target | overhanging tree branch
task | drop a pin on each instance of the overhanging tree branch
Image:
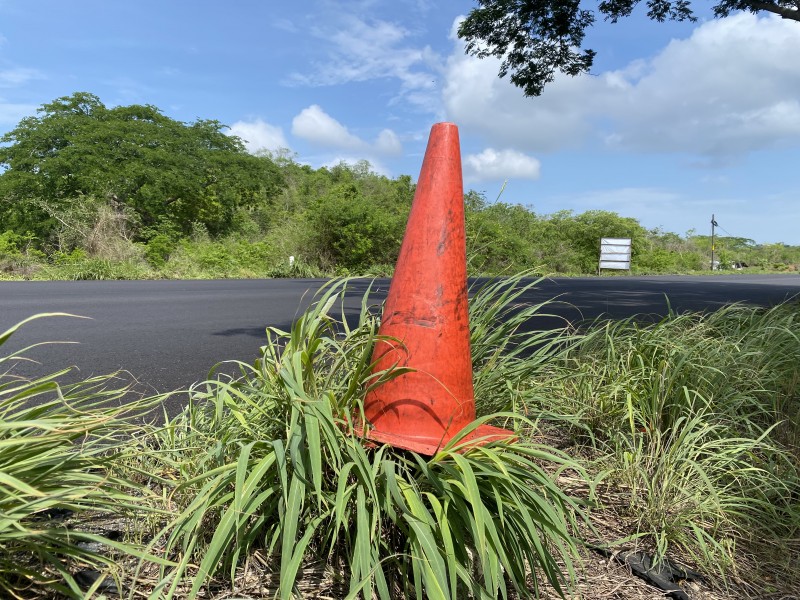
(536, 38)
(786, 12)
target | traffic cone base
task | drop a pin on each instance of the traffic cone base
(429, 446)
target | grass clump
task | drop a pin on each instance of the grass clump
(508, 351)
(275, 464)
(693, 426)
(57, 447)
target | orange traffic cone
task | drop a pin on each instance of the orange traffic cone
(427, 311)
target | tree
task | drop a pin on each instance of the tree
(536, 38)
(358, 223)
(168, 174)
(498, 236)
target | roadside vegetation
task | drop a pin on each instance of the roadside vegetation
(90, 192)
(679, 438)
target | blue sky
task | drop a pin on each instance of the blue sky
(677, 121)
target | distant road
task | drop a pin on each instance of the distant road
(168, 334)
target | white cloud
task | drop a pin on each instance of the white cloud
(259, 135)
(359, 50)
(680, 212)
(169, 71)
(18, 76)
(628, 200)
(727, 90)
(476, 99)
(503, 164)
(285, 25)
(316, 126)
(11, 114)
(129, 90)
(388, 143)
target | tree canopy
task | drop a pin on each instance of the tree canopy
(536, 38)
(166, 173)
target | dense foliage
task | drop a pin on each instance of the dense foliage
(163, 174)
(90, 192)
(536, 38)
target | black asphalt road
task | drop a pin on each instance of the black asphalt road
(168, 334)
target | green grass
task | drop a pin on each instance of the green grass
(508, 352)
(694, 420)
(276, 462)
(687, 429)
(57, 443)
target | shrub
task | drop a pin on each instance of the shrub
(10, 244)
(76, 265)
(17, 258)
(158, 249)
(695, 419)
(354, 231)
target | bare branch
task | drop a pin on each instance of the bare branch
(784, 11)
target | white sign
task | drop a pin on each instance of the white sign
(615, 253)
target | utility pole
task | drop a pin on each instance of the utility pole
(713, 225)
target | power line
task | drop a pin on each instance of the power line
(726, 231)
